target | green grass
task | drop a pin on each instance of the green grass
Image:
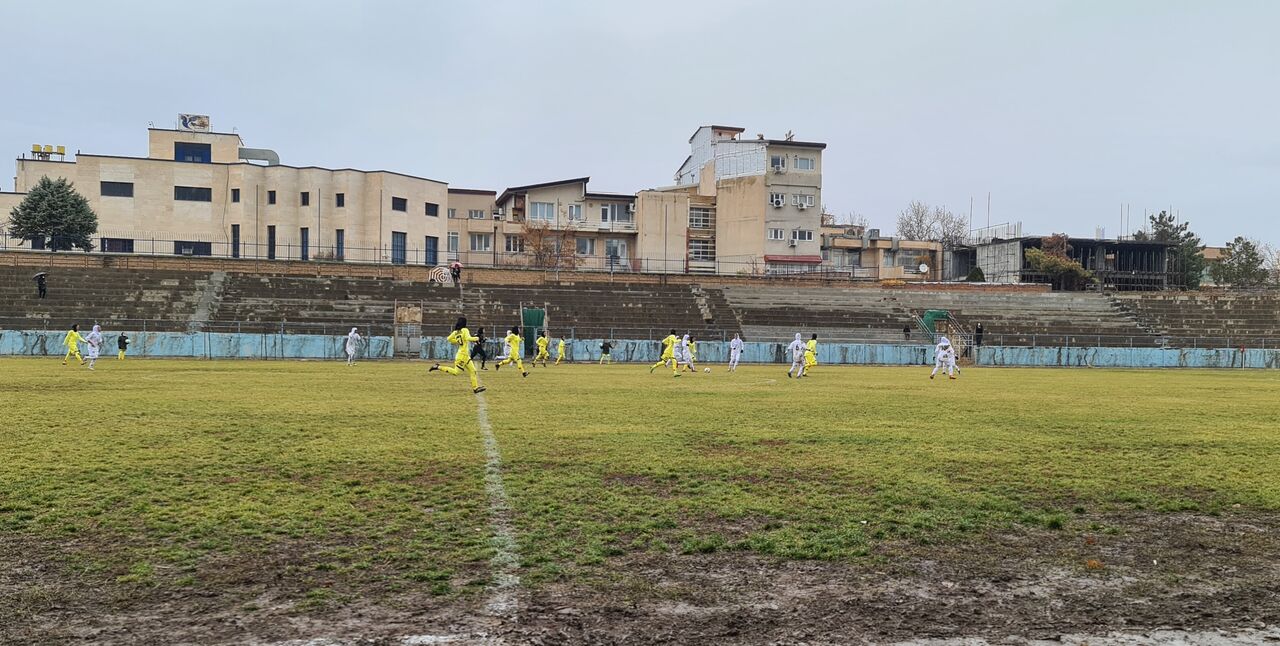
(171, 474)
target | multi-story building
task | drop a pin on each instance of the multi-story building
(196, 193)
(738, 206)
(601, 226)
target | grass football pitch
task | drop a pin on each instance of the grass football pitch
(233, 501)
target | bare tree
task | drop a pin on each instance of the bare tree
(919, 221)
(549, 248)
(850, 219)
(916, 221)
(1271, 262)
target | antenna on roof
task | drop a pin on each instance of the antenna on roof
(789, 136)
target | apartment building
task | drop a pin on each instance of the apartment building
(745, 206)
(601, 226)
(197, 193)
(863, 253)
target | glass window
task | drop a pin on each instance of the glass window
(699, 218)
(185, 248)
(800, 199)
(702, 250)
(433, 210)
(190, 152)
(776, 234)
(777, 199)
(271, 197)
(545, 211)
(117, 245)
(482, 242)
(235, 195)
(514, 244)
(452, 243)
(399, 204)
(340, 200)
(193, 194)
(615, 248)
(778, 161)
(805, 163)
(586, 246)
(304, 199)
(475, 214)
(453, 214)
(116, 189)
(575, 212)
(802, 234)
(890, 256)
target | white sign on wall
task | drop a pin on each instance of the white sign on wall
(196, 122)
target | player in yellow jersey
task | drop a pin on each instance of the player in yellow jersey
(810, 355)
(462, 338)
(559, 352)
(513, 352)
(668, 355)
(542, 354)
(73, 341)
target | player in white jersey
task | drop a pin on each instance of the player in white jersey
(944, 358)
(797, 357)
(95, 344)
(686, 354)
(353, 345)
(735, 351)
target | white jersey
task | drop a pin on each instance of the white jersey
(685, 354)
(94, 339)
(797, 350)
(735, 346)
(353, 342)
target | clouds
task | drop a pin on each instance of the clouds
(1063, 110)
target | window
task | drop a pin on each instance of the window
(271, 242)
(185, 248)
(399, 245)
(399, 204)
(802, 235)
(614, 213)
(702, 250)
(545, 211)
(615, 248)
(235, 195)
(271, 197)
(339, 243)
(433, 251)
(776, 234)
(304, 237)
(777, 199)
(481, 241)
(778, 162)
(433, 210)
(805, 163)
(453, 214)
(192, 194)
(452, 244)
(514, 244)
(586, 246)
(117, 189)
(304, 199)
(803, 200)
(475, 214)
(575, 212)
(235, 241)
(699, 218)
(339, 200)
(117, 245)
(189, 152)
(888, 258)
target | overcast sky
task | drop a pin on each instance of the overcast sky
(1061, 110)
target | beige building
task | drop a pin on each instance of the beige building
(196, 193)
(739, 206)
(863, 253)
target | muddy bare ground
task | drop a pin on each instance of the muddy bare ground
(1150, 572)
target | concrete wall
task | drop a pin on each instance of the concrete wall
(202, 345)
(1128, 357)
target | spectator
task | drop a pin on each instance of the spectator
(41, 288)
(455, 270)
(906, 333)
(977, 336)
(605, 349)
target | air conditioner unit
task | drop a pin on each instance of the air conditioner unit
(779, 169)
(497, 215)
(777, 202)
(802, 206)
(499, 211)
(631, 208)
(791, 243)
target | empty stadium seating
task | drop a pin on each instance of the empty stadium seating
(1221, 319)
(158, 300)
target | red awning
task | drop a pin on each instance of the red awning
(806, 260)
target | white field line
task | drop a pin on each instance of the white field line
(503, 601)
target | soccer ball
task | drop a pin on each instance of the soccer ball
(706, 369)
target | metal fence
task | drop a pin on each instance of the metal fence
(496, 328)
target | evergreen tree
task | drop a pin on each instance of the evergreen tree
(1241, 265)
(53, 213)
(1186, 259)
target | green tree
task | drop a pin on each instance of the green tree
(1242, 265)
(55, 214)
(1052, 259)
(1186, 260)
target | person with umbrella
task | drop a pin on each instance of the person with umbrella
(455, 270)
(41, 289)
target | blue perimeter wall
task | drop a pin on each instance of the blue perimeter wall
(230, 345)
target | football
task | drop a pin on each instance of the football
(706, 369)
